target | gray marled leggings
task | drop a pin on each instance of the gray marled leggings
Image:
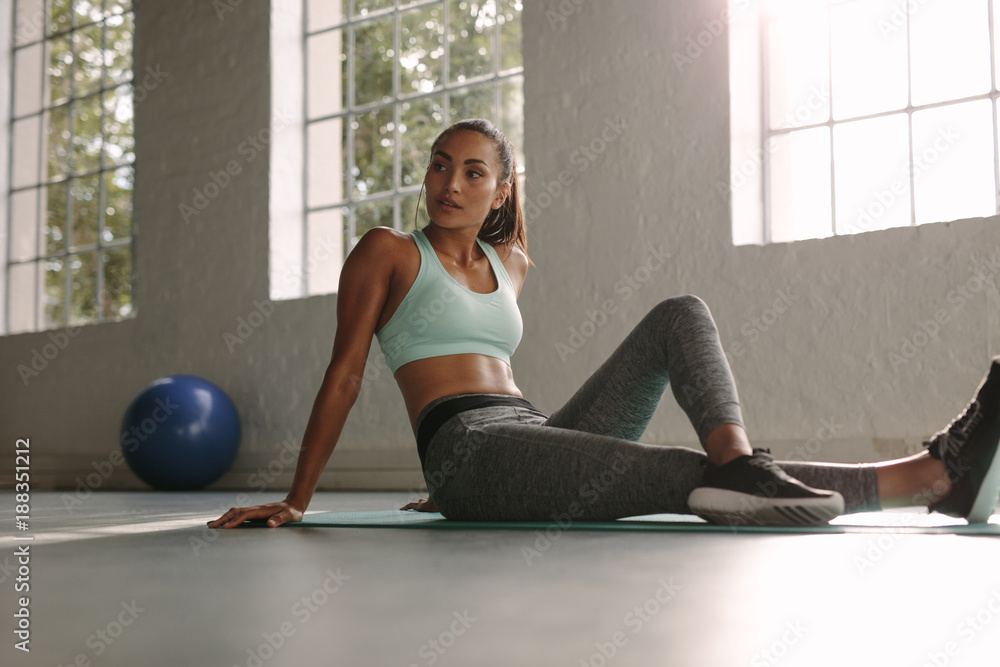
(513, 463)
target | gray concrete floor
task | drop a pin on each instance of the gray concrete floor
(133, 578)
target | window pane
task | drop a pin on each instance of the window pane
(373, 152)
(30, 20)
(421, 121)
(89, 59)
(118, 56)
(325, 142)
(510, 33)
(24, 280)
(367, 216)
(28, 79)
(373, 55)
(996, 43)
(53, 304)
(116, 6)
(953, 170)
(326, 85)
(413, 217)
(24, 225)
(57, 141)
(363, 7)
(799, 69)
(119, 132)
(325, 13)
(84, 201)
(87, 11)
(25, 149)
(873, 183)
(86, 134)
(60, 17)
(950, 50)
(326, 244)
(869, 59)
(470, 38)
(116, 293)
(83, 301)
(421, 51)
(117, 204)
(800, 186)
(55, 217)
(60, 65)
(475, 102)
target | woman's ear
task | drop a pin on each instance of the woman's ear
(502, 193)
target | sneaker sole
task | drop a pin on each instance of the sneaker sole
(733, 508)
(988, 494)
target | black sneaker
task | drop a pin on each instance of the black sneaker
(754, 490)
(968, 448)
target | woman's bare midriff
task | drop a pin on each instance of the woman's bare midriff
(423, 380)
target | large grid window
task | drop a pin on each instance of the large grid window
(382, 79)
(69, 215)
(860, 115)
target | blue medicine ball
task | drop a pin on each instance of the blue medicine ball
(180, 432)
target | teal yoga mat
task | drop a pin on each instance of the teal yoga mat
(875, 522)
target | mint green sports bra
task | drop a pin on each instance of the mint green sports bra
(439, 316)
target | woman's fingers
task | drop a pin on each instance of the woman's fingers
(237, 515)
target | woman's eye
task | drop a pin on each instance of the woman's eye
(474, 174)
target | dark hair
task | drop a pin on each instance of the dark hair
(505, 225)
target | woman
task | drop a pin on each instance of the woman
(442, 301)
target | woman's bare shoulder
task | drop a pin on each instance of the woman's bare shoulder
(384, 247)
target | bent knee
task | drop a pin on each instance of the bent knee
(681, 306)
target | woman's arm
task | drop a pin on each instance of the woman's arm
(364, 288)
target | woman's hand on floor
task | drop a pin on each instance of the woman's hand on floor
(275, 513)
(422, 505)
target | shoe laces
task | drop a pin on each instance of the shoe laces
(954, 436)
(762, 458)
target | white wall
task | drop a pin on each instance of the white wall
(601, 68)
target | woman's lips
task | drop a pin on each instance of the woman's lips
(448, 206)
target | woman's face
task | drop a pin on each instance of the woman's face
(461, 180)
